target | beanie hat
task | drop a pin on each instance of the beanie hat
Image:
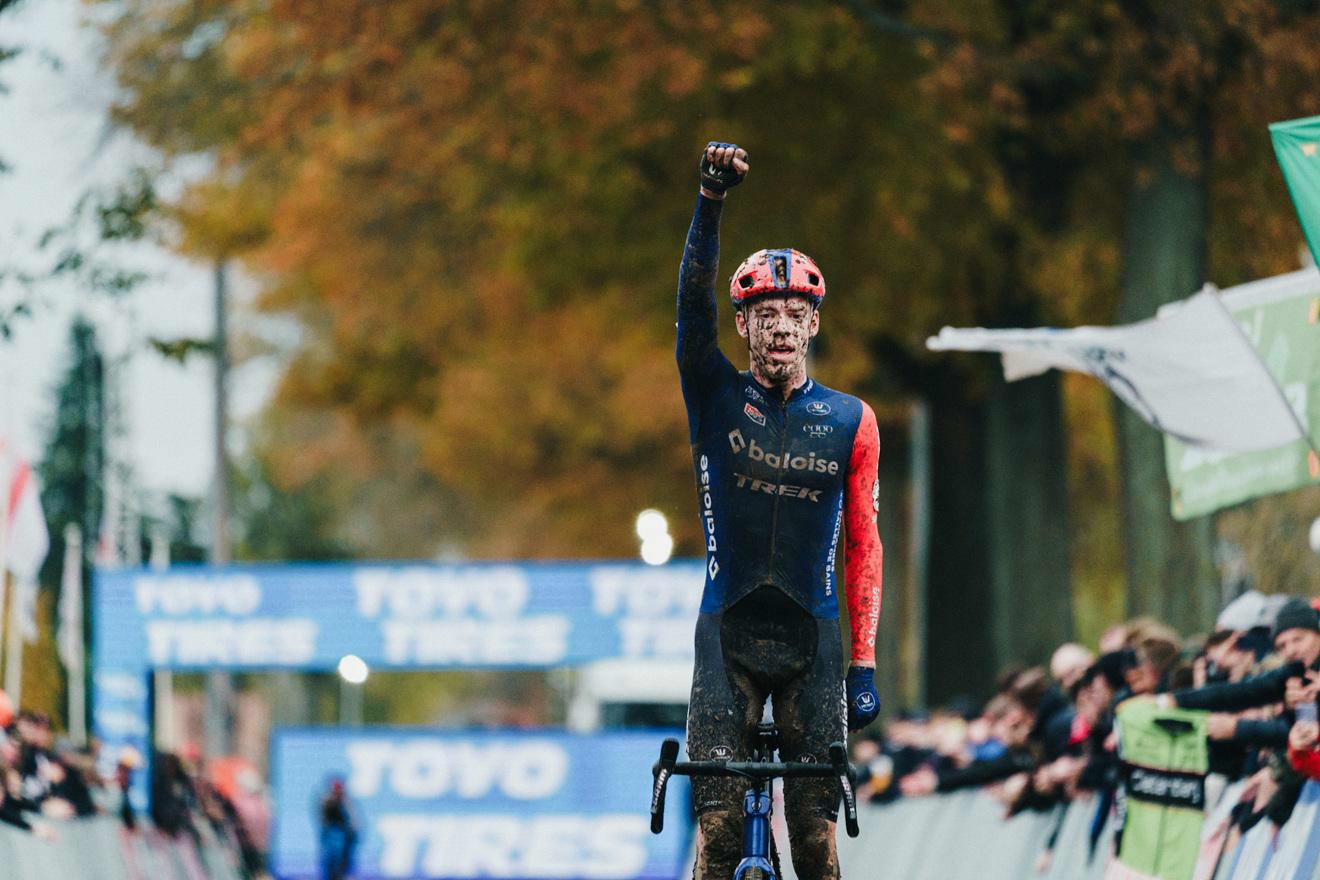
(1296, 614)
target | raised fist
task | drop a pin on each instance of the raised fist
(722, 166)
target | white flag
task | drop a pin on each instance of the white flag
(26, 541)
(1190, 372)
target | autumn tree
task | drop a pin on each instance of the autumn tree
(475, 212)
(1132, 138)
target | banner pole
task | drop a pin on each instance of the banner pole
(71, 633)
(14, 649)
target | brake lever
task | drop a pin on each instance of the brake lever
(839, 760)
(661, 772)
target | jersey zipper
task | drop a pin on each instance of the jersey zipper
(782, 471)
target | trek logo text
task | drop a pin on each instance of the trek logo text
(758, 485)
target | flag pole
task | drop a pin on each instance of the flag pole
(71, 632)
(14, 649)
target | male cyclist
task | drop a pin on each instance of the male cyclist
(782, 464)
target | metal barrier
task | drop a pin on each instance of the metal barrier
(960, 836)
(964, 836)
(101, 849)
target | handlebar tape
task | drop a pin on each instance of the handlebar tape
(661, 773)
(839, 760)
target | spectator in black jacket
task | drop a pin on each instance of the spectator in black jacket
(173, 800)
(1297, 641)
(1296, 637)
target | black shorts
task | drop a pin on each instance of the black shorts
(766, 645)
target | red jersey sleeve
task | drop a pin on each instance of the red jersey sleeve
(1305, 762)
(862, 573)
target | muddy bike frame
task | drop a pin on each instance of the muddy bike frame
(759, 772)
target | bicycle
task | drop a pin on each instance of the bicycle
(760, 858)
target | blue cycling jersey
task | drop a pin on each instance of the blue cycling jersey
(772, 474)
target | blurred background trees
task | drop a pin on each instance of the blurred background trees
(474, 214)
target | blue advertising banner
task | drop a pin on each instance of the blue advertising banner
(492, 804)
(392, 615)
(396, 616)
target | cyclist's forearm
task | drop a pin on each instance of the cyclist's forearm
(697, 336)
(863, 575)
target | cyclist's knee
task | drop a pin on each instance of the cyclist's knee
(811, 841)
(809, 806)
(720, 848)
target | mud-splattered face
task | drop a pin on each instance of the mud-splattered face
(778, 332)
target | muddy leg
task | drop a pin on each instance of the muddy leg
(811, 840)
(719, 844)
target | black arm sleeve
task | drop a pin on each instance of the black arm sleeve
(698, 344)
(1100, 772)
(1269, 733)
(1280, 807)
(985, 772)
(11, 814)
(1259, 690)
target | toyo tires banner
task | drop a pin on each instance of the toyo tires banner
(401, 616)
(492, 804)
(392, 615)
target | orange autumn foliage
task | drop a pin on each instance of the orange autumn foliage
(475, 211)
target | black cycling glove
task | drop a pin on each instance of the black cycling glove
(715, 178)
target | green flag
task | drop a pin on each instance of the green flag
(1297, 144)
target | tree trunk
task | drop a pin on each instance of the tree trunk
(900, 641)
(960, 647)
(1000, 585)
(1027, 522)
(1170, 565)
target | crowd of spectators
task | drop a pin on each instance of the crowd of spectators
(44, 783)
(1047, 737)
(38, 780)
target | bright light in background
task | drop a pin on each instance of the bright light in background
(651, 523)
(653, 529)
(656, 550)
(1315, 536)
(353, 669)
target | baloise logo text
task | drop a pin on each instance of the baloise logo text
(808, 462)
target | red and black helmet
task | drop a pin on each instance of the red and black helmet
(781, 272)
